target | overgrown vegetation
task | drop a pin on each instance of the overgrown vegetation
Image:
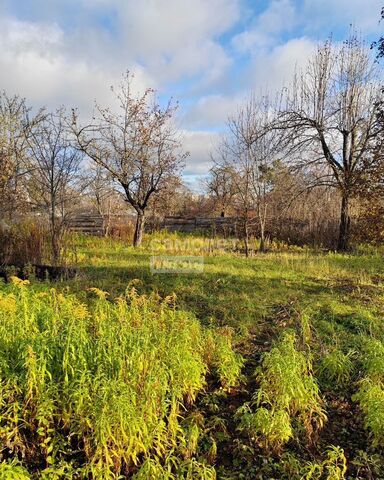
(371, 392)
(101, 390)
(287, 391)
(267, 367)
(248, 349)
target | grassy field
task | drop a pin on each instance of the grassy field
(265, 367)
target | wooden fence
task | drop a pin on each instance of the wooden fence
(226, 225)
(93, 223)
(87, 222)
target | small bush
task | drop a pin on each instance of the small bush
(335, 368)
(220, 355)
(287, 390)
(373, 358)
(371, 400)
(12, 470)
(22, 243)
(370, 395)
(274, 428)
(334, 467)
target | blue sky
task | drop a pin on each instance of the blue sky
(207, 54)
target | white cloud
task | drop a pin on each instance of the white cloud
(200, 144)
(165, 26)
(279, 17)
(165, 41)
(70, 52)
(274, 69)
(211, 111)
(178, 38)
(35, 63)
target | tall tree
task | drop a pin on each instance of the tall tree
(249, 153)
(221, 185)
(330, 119)
(138, 145)
(380, 43)
(17, 122)
(257, 148)
(53, 174)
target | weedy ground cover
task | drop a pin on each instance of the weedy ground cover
(145, 381)
(371, 388)
(287, 392)
(99, 390)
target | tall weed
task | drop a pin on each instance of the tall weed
(287, 391)
(105, 385)
(370, 395)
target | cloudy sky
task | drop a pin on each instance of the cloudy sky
(207, 54)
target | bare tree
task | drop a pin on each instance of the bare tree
(16, 124)
(330, 119)
(53, 174)
(137, 145)
(221, 184)
(261, 145)
(101, 191)
(234, 158)
(251, 150)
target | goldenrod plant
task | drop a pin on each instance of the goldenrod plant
(336, 367)
(370, 394)
(287, 391)
(104, 386)
(125, 372)
(333, 467)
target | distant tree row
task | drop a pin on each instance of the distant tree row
(49, 160)
(325, 131)
(288, 165)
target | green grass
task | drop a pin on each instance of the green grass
(145, 380)
(233, 290)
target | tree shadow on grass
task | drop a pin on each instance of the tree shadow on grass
(219, 297)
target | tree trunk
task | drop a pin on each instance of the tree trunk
(246, 238)
(139, 230)
(262, 239)
(55, 244)
(262, 220)
(55, 249)
(343, 242)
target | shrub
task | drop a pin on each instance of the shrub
(373, 358)
(12, 470)
(370, 395)
(335, 367)
(220, 354)
(287, 390)
(334, 467)
(22, 243)
(371, 400)
(272, 427)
